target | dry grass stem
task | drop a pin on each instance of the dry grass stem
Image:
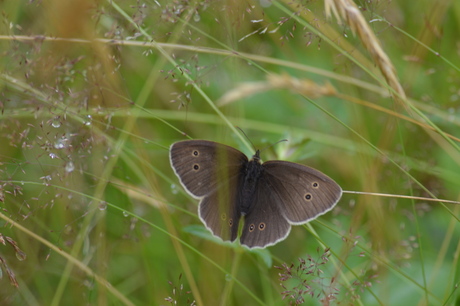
(348, 11)
(304, 87)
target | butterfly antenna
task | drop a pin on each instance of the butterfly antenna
(246, 137)
(272, 145)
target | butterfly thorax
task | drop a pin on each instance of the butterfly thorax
(252, 174)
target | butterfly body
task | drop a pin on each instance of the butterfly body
(270, 196)
(252, 171)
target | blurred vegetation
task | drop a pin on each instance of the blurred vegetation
(93, 93)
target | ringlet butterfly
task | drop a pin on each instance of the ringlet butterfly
(271, 195)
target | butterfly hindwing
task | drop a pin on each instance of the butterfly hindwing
(220, 213)
(264, 224)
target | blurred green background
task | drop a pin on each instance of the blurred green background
(93, 93)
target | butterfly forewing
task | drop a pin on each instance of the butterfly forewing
(203, 165)
(307, 193)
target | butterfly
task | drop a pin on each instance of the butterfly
(269, 196)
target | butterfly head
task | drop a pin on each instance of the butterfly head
(256, 157)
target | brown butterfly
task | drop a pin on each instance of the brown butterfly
(271, 196)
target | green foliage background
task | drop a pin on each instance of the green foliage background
(93, 93)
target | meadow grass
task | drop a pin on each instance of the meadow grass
(92, 94)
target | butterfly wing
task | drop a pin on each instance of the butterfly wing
(306, 192)
(211, 172)
(220, 213)
(202, 166)
(264, 224)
